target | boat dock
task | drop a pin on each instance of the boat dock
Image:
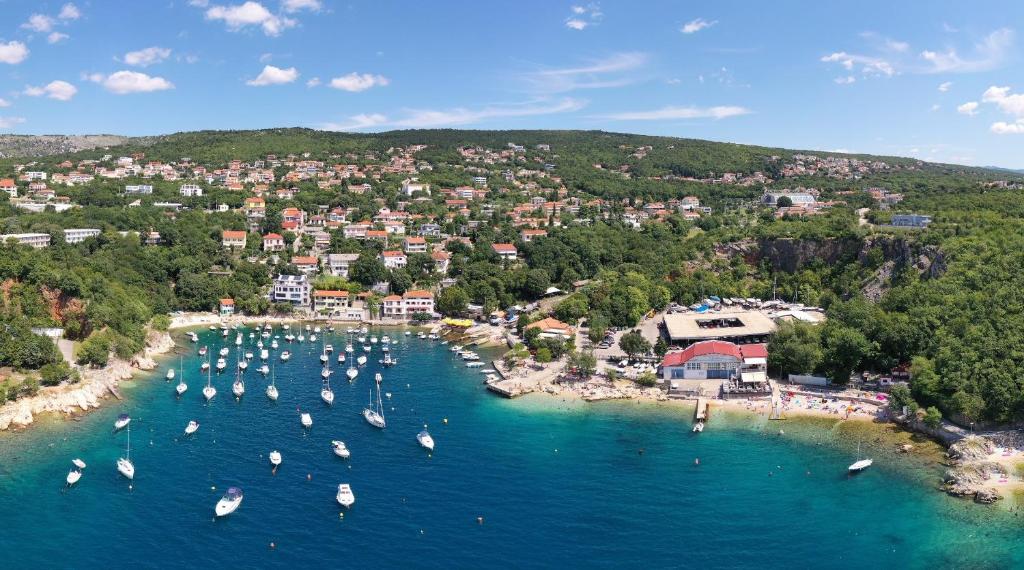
(701, 413)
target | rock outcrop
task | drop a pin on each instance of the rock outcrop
(971, 470)
(88, 394)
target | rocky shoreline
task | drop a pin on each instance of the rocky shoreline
(96, 384)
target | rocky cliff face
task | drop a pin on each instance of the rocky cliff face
(791, 255)
(96, 384)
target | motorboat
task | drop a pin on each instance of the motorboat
(698, 427)
(308, 328)
(73, 476)
(387, 361)
(361, 360)
(124, 464)
(373, 340)
(192, 336)
(385, 339)
(340, 450)
(345, 496)
(289, 337)
(170, 374)
(273, 344)
(362, 340)
(202, 351)
(122, 421)
(192, 427)
(248, 356)
(328, 348)
(229, 502)
(204, 366)
(275, 458)
(224, 351)
(285, 356)
(224, 332)
(242, 365)
(341, 358)
(408, 333)
(78, 463)
(312, 338)
(323, 357)
(259, 344)
(300, 338)
(349, 348)
(475, 364)
(264, 354)
(366, 348)
(316, 330)
(306, 420)
(221, 364)
(425, 440)
(264, 370)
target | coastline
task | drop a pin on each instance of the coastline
(95, 386)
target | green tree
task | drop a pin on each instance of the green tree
(634, 344)
(795, 348)
(584, 362)
(368, 270)
(452, 301)
(543, 355)
(844, 349)
(572, 309)
(933, 417)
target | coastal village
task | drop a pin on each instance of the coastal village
(338, 264)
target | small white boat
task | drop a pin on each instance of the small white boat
(221, 364)
(238, 339)
(328, 348)
(202, 351)
(385, 339)
(327, 395)
(698, 427)
(224, 351)
(316, 330)
(361, 360)
(366, 348)
(289, 337)
(362, 340)
(238, 388)
(352, 373)
(348, 348)
(209, 391)
(859, 465)
(312, 338)
(475, 364)
(193, 337)
(252, 335)
(122, 421)
(307, 327)
(229, 502)
(323, 357)
(408, 333)
(78, 463)
(273, 344)
(345, 496)
(224, 332)
(259, 344)
(204, 366)
(373, 340)
(192, 427)
(73, 476)
(285, 356)
(340, 450)
(375, 415)
(248, 356)
(124, 464)
(242, 365)
(306, 420)
(181, 387)
(300, 338)
(341, 358)
(275, 458)
(264, 370)
(425, 440)
(170, 374)
(264, 354)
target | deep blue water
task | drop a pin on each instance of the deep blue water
(557, 484)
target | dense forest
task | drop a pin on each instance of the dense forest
(946, 300)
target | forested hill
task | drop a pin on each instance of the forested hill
(667, 155)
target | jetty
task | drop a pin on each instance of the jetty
(507, 387)
(700, 414)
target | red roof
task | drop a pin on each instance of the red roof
(504, 247)
(715, 347)
(233, 234)
(272, 236)
(227, 302)
(392, 254)
(304, 260)
(330, 293)
(418, 294)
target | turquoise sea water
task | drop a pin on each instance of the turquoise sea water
(558, 484)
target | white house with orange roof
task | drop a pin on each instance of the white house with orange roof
(234, 239)
(394, 259)
(505, 251)
(414, 244)
(273, 242)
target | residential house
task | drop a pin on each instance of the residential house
(414, 244)
(306, 263)
(78, 235)
(233, 239)
(505, 251)
(552, 328)
(190, 190)
(138, 189)
(330, 303)
(441, 261)
(273, 242)
(294, 289)
(227, 307)
(528, 234)
(339, 263)
(393, 259)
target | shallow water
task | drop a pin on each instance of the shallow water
(557, 484)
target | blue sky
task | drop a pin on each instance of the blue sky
(938, 80)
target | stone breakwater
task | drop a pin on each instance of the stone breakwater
(96, 384)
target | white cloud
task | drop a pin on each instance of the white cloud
(12, 52)
(868, 65)
(582, 17)
(59, 90)
(9, 122)
(69, 12)
(250, 13)
(674, 81)
(694, 26)
(969, 108)
(990, 53)
(578, 10)
(576, 24)
(56, 37)
(895, 45)
(39, 23)
(274, 76)
(298, 5)
(845, 80)
(944, 86)
(355, 82)
(123, 82)
(1004, 128)
(266, 57)
(430, 118)
(1007, 103)
(598, 74)
(671, 112)
(313, 82)
(147, 56)
(5, 103)
(935, 107)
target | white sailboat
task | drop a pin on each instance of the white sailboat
(285, 356)
(124, 464)
(326, 394)
(122, 421)
(192, 427)
(182, 386)
(272, 388)
(209, 391)
(340, 450)
(361, 360)
(860, 464)
(345, 496)
(352, 372)
(203, 350)
(221, 364)
(238, 388)
(224, 351)
(264, 370)
(264, 354)
(229, 502)
(375, 416)
(204, 366)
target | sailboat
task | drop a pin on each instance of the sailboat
(221, 364)
(375, 417)
(272, 388)
(182, 386)
(238, 388)
(209, 391)
(202, 351)
(425, 440)
(361, 360)
(124, 464)
(326, 394)
(264, 354)
(192, 427)
(860, 464)
(352, 372)
(122, 421)
(264, 370)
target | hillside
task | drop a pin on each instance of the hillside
(30, 146)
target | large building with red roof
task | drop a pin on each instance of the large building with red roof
(714, 360)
